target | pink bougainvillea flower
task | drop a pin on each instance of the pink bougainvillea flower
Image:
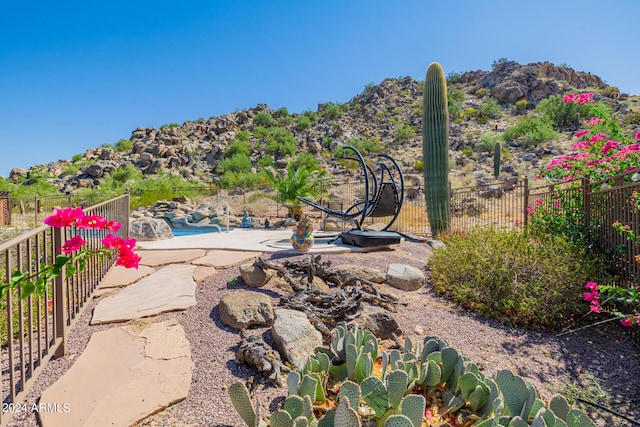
(593, 121)
(112, 242)
(595, 308)
(581, 133)
(569, 98)
(128, 259)
(637, 137)
(91, 222)
(628, 321)
(63, 217)
(73, 244)
(592, 286)
(113, 226)
(608, 146)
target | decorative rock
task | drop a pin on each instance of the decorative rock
(294, 336)
(150, 229)
(140, 369)
(255, 277)
(378, 321)
(405, 277)
(370, 274)
(242, 309)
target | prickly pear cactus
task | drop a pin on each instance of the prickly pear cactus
(398, 421)
(241, 401)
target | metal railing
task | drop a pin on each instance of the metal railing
(33, 329)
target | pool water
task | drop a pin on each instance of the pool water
(192, 231)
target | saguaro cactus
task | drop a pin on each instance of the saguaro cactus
(497, 149)
(435, 148)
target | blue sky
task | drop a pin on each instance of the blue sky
(76, 75)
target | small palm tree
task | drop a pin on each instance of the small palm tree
(300, 181)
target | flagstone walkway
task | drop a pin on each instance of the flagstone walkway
(129, 372)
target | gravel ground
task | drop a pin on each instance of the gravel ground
(547, 361)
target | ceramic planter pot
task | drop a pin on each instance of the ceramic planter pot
(302, 239)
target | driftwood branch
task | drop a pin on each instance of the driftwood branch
(255, 352)
(326, 309)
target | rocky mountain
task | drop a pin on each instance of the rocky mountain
(389, 113)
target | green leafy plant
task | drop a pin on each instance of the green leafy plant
(526, 279)
(264, 119)
(297, 181)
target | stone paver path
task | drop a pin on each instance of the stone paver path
(223, 259)
(124, 375)
(158, 258)
(170, 288)
(129, 372)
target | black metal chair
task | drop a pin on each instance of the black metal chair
(383, 195)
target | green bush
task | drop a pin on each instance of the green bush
(124, 145)
(303, 122)
(264, 119)
(332, 111)
(239, 162)
(418, 166)
(281, 142)
(528, 280)
(237, 147)
(521, 105)
(365, 147)
(77, 157)
(313, 116)
(482, 92)
(563, 115)
(404, 134)
(260, 132)
(453, 78)
(243, 135)
(490, 109)
(306, 160)
(487, 142)
(282, 112)
(531, 130)
(632, 118)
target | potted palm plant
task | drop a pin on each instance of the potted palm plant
(303, 181)
(302, 237)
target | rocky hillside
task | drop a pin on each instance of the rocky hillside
(388, 113)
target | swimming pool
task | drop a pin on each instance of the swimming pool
(192, 231)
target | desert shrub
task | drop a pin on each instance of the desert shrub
(490, 109)
(121, 177)
(281, 142)
(404, 134)
(565, 114)
(303, 122)
(239, 162)
(245, 180)
(482, 92)
(260, 132)
(499, 61)
(313, 116)
(170, 125)
(76, 157)
(522, 279)
(265, 161)
(124, 145)
(453, 78)
(521, 105)
(332, 111)
(531, 130)
(281, 112)
(487, 142)
(307, 160)
(632, 118)
(237, 147)
(610, 91)
(264, 119)
(369, 87)
(418, 166)
(469, 113)
(467, 151)
(365, 147)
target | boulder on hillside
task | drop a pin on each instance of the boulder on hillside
(150, 229)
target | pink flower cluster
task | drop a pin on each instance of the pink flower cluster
(592, 297)
(76, 217)
(593, 121)
(578, 98)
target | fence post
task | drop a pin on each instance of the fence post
(586, 201)
(59, 284)
(126, 212)
(525, 200)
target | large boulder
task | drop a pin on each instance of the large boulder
(378, 321)
(253, 276)
(150, 229)
(242, 309)
(405, 277)
(295, 336)
(349, 270)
